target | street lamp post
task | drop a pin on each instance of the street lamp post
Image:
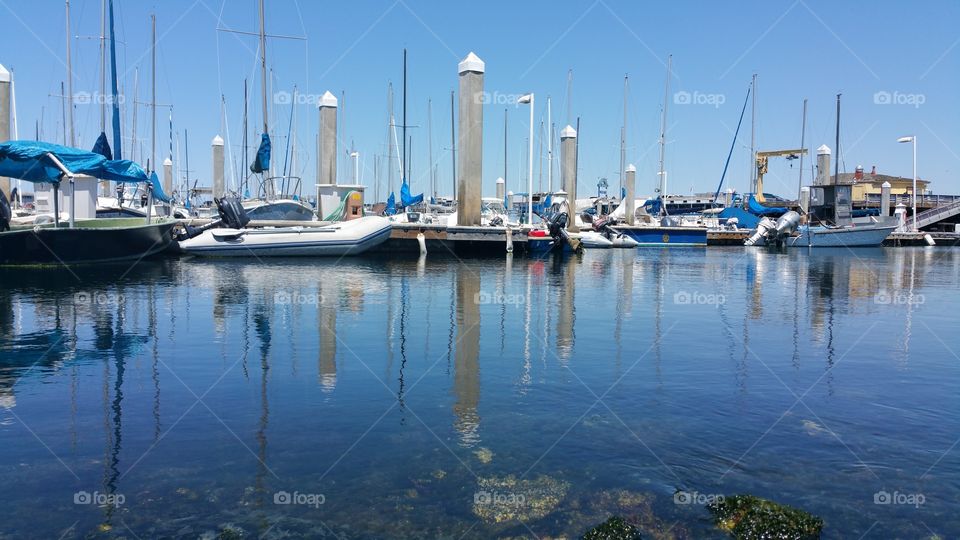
(913, 139)
(529, 100)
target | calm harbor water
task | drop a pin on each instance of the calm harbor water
(377, 398)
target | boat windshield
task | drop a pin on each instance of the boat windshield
(493, 207)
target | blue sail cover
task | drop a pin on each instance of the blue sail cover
(102, 147)
(391, 205)
(653, 206)
(405, 198)
(157, 188)
(113, 86)
(30, 160)
(543, 206)
(758, 209)
(262, 162)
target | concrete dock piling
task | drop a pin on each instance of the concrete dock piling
(568, 172)
(327, 151)
(470, 145)
(631, 202)
(501, 189)
(168, 176)
(5, 93)
(216, 147)
(823, 166)
(885, 200)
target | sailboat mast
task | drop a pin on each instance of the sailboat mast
(433, 188)
(69, 98)
(263, 68)
(504, 146)
(549, 149)
(836, 162)
(103, 66)
(403, 162)
(153, 93)
(663, 138)
(453, 148)
(803, 134)
(753, 136)
(623, 136)
(390, 135)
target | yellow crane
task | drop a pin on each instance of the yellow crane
(762, 158)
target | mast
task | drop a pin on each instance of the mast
(69, 99)
(153, 93)
(453, 148)
(403, 162)
(114, 92)
(103, 66)
(504, 146)
(390, 135)
(433, 188)
(753, 137)
(133, 128)
(623, 136)
(663, 139)
(263, 68)
(549, 149)
(63, 111)
(836, 162)
(245, 133)
(803, 133)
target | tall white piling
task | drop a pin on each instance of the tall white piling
(823, 166)
(168, 176)
(5, 119)
(568, 172)
(470, 146)
(216, 147)
(327, 152)
(885, 200)
(501, 188)
(630, 205)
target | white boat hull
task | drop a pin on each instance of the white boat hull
(340, 239)
(865, 236)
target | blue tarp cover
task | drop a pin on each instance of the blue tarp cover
(262, 162)
(405, 198)
(29, 160)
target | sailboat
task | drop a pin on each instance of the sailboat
(661, 228)
(270, 204)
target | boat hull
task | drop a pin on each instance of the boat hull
(867, 236)
(84, 245)
(343, 239)
(665, 236)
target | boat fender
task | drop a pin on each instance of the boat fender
(930, 240)
(509, 240)
(422, 240)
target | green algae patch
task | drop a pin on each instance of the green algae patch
(615, 528)
(747, 517)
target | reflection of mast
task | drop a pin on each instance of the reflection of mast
(624, 300)
(403, 343)
(328, 342)
(262, 325)
(466, 377)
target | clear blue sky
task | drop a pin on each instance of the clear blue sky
(869, 51)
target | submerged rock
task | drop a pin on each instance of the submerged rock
(615, 528)
(485, 455)
(501, 499)
(747, 517)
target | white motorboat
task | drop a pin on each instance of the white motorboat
(593, 240)
(346, 238)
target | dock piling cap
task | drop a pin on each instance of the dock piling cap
(217, 141)
(4, 74)
(501, 181)
(167, 161)
(824, 150)
(471, 63)
(328, 100)
(631, 168)
(568, 132)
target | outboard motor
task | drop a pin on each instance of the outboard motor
(232, 214)
(763, 228)
(787, 223)
(557, 226)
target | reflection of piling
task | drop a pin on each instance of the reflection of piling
(327, 151)
(568, 172)
(168, 176)
(217, 148)
(565, 318)
(631, 203)
(4, 119)
(328, 343)
(466, 378)
(470, 154)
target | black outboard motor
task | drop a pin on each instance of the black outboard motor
(5, 213)
(232, 216)
(232, 213)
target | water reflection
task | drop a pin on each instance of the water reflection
(466, 366)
